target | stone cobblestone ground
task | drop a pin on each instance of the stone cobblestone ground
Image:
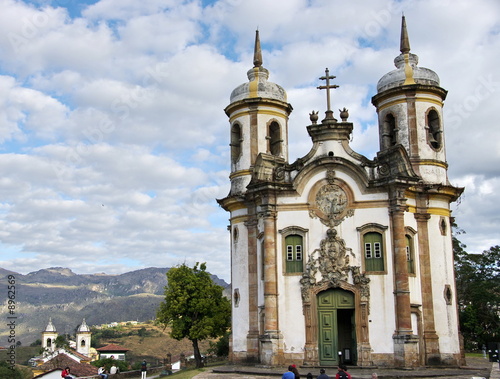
(477, 368)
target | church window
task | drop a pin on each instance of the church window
(293, 239)
(372, 237)
(236, 140)
(82, 343)
(236, 297)
(389, 132)
(49, 342)
(442, 226)
(262, 261)
(274, 138)
(434, 129)
(448, 296)
(410, 254)
(374, 257)
(294, 257)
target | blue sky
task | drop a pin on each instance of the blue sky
(113, 140)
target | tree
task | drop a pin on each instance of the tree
(61, 342)
(194, 306)
(478, 293)
(7, 371)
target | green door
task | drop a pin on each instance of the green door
(336, 327)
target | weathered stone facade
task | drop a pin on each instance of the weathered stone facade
(336, 257)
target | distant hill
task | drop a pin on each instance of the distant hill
(67, 297)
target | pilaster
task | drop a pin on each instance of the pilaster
(253, 327)
(405, 343)
(430, 337)
(272, 341)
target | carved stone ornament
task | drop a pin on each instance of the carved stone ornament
(331, 203)
(329, 265)
(279, 173)
(384, 170)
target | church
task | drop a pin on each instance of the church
(338, 258)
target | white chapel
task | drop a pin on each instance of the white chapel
(338, 258)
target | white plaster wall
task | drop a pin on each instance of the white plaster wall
(382, 322)
(442, 274)
(52, 375)
(239, 278)
(291, 318)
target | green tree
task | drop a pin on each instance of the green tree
(194, 306)
(7, 371)
(61, 342)
(478, 293)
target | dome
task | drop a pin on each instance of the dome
(50, 327)
(407, 70)
(396, 78)
(83, 327)
(258, 86)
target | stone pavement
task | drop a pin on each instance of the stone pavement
(477, 368)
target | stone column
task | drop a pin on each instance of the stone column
(272, 351)
(431, 339)
(405, 343)
(253, 306)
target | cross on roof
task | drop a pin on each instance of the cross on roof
(327, 77)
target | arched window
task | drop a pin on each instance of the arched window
(274, 138)
(294, 250)
(434, 133)
(410, 254)
(374, 253)
(49, 342)
(389, 135)
(235, 144)
(82, 343)
(372, 237)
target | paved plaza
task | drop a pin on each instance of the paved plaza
(476, 368)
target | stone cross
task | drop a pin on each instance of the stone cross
(327, 77)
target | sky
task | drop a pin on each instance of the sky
(114, 143)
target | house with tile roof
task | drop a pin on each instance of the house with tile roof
(112, 351)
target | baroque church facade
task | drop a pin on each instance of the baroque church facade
(337, 258)
(82, 343)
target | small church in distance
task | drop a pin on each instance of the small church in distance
(337, 258)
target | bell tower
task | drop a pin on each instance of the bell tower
(83, 335)
(409, 104)
(258, 114)
(49, 336)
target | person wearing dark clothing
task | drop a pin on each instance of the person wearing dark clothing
(144, 369)
(342, 374)
(322, 374)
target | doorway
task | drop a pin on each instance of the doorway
(337, 332)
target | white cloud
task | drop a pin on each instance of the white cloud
(114, 143)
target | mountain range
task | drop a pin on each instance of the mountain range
(67, 298)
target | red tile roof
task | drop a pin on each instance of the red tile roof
(62, 360)
(112, 347)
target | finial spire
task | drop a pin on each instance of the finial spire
(405, 41)
(257, 54)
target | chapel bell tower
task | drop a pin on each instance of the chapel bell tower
(409, 104)
(49, 336)
(83, 335)
(258, 114)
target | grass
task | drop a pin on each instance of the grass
(187, 374)
(474, 355)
